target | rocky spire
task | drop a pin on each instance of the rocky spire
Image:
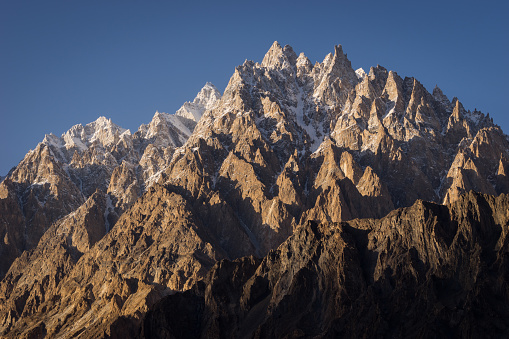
(342, 66)
(204, 100)
(278, 57)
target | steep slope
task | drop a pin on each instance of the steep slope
(34, 276)
(156, 247)
(272, 145)
(231, 176)
(205, 100)
(37, 193)
(62, 172)
(426, 270)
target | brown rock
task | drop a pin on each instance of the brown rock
(423, 270)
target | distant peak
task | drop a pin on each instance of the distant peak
(360, 73)
(206, 98)
(339, 65)
(290, 54)
(338, 50)
(303, 61)
(209, 85)
(102, 120)
(440, 96)
(275, 45)
(302, 56)
(208, 95)
(278, 57)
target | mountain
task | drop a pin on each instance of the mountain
(119, 221)
(57, 177)
(423, 271)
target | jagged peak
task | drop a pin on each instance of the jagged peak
(327, 60)
(273, 54)
(103, 123)
(207, 96)
(360, 73)
(378, 71)
(303, 64)
(393, 85)
(275, 46)
(157, 116)
(50, 139)
(102, 130)
(338, 51)
(206, 99)
(303, 61)
(417, 88)
(290, 54)
(458, 109)
(438, 93)
(340, 57)
(337, 64)
(278, 57)
(103, 120)
(393, 75)
(209, 84)
(440, 96)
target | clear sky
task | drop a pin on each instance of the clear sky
(69, 62)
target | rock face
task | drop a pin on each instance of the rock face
(61, 173)
(131, 218)
(426, 270)
(33, 278)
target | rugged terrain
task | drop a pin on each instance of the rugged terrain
(100, 224)
(423, 271)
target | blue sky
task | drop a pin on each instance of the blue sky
(69, 62)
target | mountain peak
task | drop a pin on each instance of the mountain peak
(289, 143)
(207, 96)
(339, 65)
(338, 51)
(206, 99)
(278, 57)
(440, 96)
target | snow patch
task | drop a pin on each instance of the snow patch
(109, 208)
(475, 116)
(360, 73)
(298, 112)
(206, 99)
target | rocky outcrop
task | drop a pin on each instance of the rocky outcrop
(62, 172)
(426, 270)
(37, 193)
(289, 144)
(75, 289)
(31, 282)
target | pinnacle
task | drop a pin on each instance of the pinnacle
(338, 50)
(290, 142)
(279, 57)
(303, 60)
(209, 84)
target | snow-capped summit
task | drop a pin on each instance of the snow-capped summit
(206, 99)
(166, 130)
(290, 146)
(360, 73)
(102, 131)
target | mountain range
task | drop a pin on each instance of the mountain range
(307, 200)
